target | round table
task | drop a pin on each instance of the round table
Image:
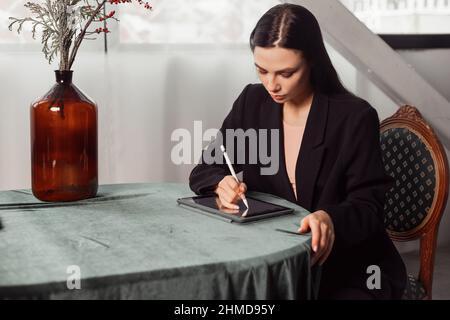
(133, 241)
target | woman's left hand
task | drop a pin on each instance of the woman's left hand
(322, 229)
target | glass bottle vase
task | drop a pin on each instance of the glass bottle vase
(63, 124)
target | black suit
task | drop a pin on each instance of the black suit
(339, 170)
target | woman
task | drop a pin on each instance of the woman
(330, 160)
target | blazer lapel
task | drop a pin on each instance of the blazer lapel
(311, 151)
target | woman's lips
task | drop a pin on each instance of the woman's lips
(278, 97)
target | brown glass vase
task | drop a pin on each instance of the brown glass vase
(64, 165)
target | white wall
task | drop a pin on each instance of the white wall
(142, 97)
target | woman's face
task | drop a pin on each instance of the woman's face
(284, 73)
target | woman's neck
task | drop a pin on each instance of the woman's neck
(295, 112)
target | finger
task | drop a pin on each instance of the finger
(324, 257)
(315, 230)
(223, 194)
(224, 183)
(314, 258)
(304, 225)
(239, 191)
(231, 183)
(229, 195)
(328, 251)
(233, 188)
(242, 188)
(230, 211)
(323, 238)
(323, 241)
(320, 255)
(229, 205)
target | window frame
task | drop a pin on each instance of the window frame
(416, 41)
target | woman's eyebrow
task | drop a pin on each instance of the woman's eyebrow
(279, 71)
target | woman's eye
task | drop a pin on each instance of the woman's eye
(262, 72)
(286, 75)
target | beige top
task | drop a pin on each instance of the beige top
(292, 140)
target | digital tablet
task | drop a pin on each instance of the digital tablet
(258, 209)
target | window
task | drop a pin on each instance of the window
(170, 22)
(11, 40)
(191, 21)
(402, 16)
(406, 24)
(13, 8)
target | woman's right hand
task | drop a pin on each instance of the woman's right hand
(230, 191)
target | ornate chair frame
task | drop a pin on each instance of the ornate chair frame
(409, 117)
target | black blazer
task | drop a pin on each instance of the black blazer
(339, 170)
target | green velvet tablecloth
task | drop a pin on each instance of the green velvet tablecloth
(133, 241)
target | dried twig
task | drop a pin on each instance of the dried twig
(65, 24)
(80, 37)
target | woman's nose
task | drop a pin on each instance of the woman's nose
(272, 85)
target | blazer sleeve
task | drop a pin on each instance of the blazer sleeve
(361, 214)
(205, 177)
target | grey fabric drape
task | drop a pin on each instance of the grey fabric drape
(134, 242)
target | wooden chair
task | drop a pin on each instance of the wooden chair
(414, 157)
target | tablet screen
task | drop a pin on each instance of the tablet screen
(256, 207)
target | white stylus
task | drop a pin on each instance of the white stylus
(232, 172)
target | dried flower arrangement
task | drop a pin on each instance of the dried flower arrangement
(65, 24)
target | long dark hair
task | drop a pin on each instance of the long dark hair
(292, 26)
